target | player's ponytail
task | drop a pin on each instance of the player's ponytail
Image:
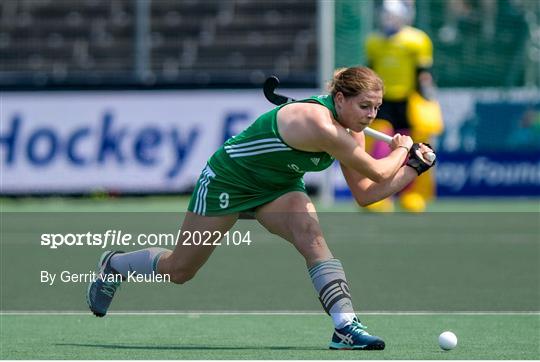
(353, 81)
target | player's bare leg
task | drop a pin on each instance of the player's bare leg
(293, 217)
(180, 265)
(183, 263)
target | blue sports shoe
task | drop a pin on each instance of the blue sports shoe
(100, 292)
(354, 336)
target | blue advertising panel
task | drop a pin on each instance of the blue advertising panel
(488, 174)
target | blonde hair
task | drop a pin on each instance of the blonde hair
(353, 81)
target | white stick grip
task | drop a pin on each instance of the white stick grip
(430, 156)
(377, 135)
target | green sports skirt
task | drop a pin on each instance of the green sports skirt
(227, 187)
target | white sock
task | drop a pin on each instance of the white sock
(329, 280)
(142, 262)
(342, 319)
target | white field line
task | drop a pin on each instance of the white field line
(263, 313)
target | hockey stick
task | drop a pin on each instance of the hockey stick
(269, 89)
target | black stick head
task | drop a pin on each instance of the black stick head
(270, 84)
(269, 88)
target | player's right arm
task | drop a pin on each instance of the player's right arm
(336, 141)
(365, 191)
(311, 128)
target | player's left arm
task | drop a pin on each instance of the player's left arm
(366, 191)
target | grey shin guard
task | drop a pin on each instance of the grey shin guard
(329, 280)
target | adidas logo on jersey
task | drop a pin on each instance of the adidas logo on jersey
(315, 161)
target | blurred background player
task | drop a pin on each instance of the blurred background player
(402, 56)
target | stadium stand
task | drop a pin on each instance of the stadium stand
(191, 41)
(236, 43)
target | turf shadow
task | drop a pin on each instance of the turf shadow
(192, 347)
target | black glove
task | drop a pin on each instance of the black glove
(416, 162)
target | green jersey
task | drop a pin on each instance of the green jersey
(256, 167)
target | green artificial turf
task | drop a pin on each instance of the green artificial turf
(462, 256)
(262, 337)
